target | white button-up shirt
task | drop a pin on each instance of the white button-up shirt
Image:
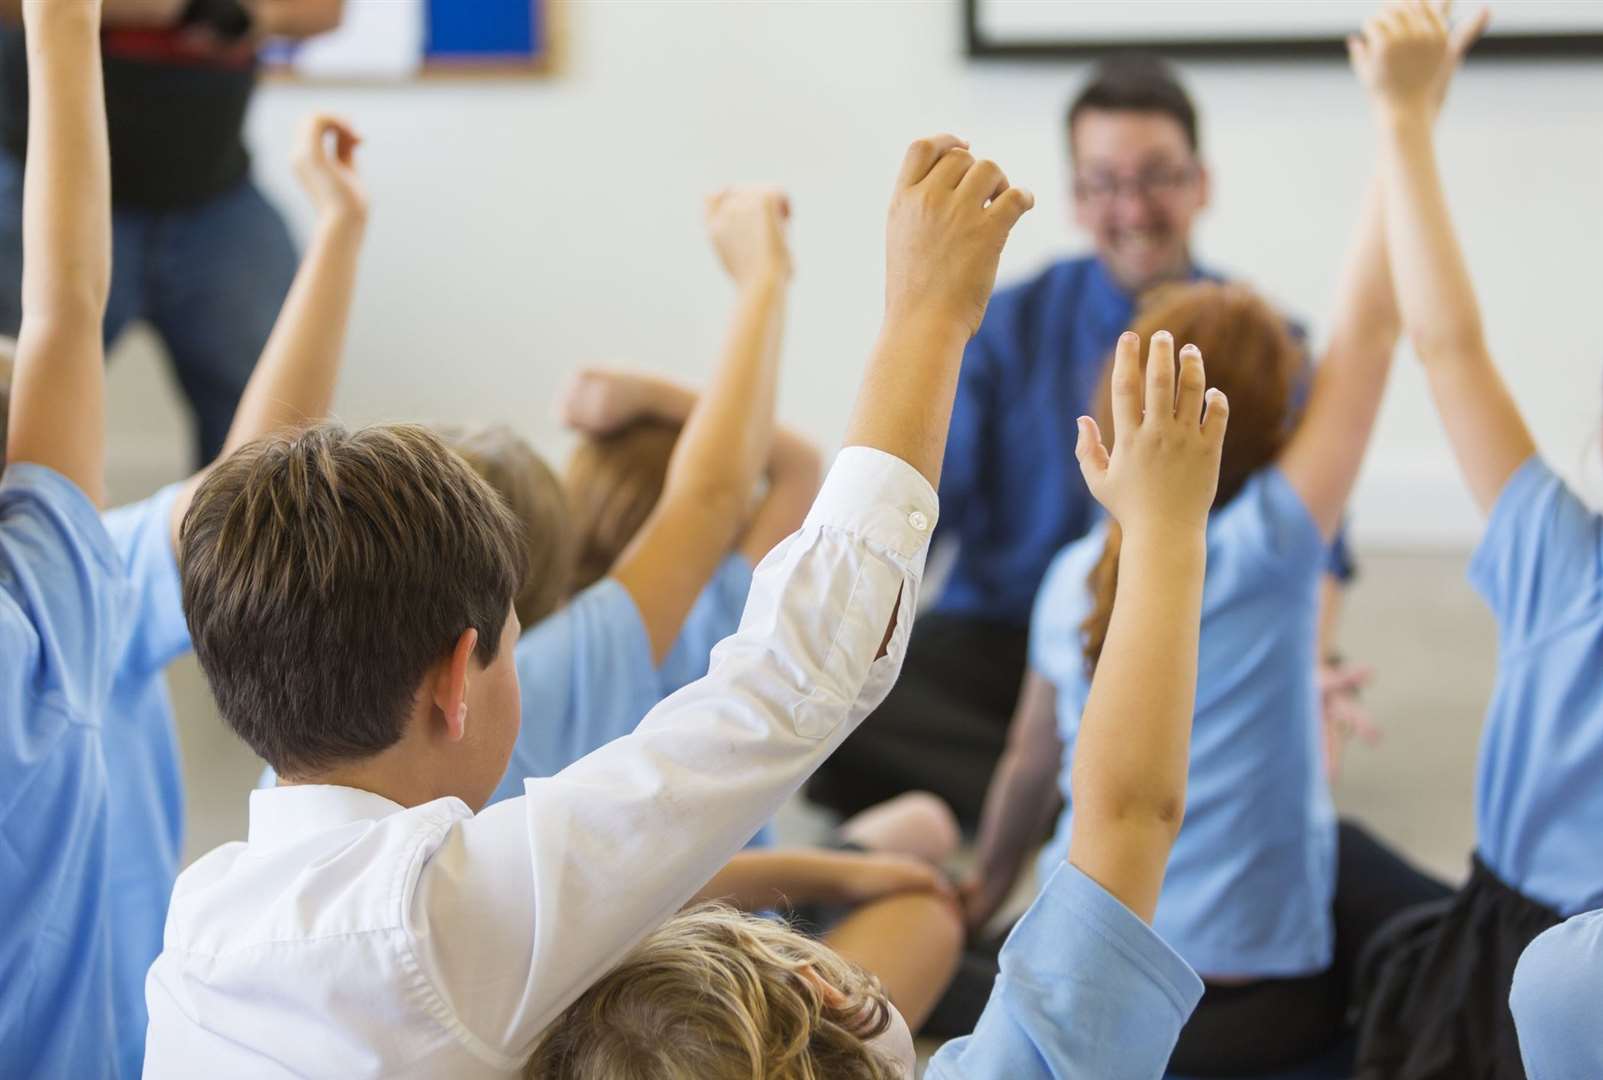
(351, 936)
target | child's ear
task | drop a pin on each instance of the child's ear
(451, 685)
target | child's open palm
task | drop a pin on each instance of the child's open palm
(1164, 468)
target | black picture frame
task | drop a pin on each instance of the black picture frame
(979, 47)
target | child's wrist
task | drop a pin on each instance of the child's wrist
(1400, 118)
(927, 328)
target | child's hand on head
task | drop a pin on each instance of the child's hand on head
(328, 173)
(599, 402)
(747, 226)
(1164, 469)
(950, 216)
(1405, 57)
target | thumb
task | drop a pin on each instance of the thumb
(1091, 454)
(1466, 33)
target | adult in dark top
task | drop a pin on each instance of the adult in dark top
(1011, 492)
(197, 251)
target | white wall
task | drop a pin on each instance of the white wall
(524, 227)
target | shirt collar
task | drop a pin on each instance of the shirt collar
(283, 815)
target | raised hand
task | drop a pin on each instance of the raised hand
(747, 227)
(950, 216)
(1406, 55)
(1164, 468)
(328, 172)
(599, 402)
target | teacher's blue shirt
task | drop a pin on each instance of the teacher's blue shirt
(1011, 492)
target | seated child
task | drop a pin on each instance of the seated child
(1557, 986)
(1087, 989)
(1265, 897)
(63, 596)
(350, 599)
(1438, 995)
(292, 384)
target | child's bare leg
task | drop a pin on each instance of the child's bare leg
(912, 942)
(916, 823)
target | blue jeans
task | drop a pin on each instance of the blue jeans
(208, 278)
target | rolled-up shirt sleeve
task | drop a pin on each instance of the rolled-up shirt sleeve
(527, 904)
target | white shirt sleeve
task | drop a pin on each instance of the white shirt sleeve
(527, 904)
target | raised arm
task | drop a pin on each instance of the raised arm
(58, 412)
(293, 384)
(1019, 803)
(1440, 314)
(727, 436)
(677, 798)
(599, 402)
(938, 281)
(1322, 458)
(1130, 760)
(116, 12)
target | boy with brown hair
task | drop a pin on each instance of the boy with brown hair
(350, 596)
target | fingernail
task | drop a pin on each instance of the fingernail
(1192, 349)
(1129, 335)
(1164, 334)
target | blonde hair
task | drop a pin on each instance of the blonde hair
(1252, 357)
(720, 995)
(506, 462)
(614, 482)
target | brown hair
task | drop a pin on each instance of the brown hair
(8, 352)
(1251, 356)
(719, 995)
(614, 482)
(1136, 82)
(506, 462)
(324, 573)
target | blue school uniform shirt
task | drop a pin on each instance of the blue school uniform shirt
(145, 787)
(1251, 879)
(1539, 792)
(1086, 990)
(1011, 491)
(1557, 1001)
(62, 600)
(586, 675)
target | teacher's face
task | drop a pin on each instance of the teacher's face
(1137, 188)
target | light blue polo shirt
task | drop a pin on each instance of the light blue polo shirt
(1539, 792)
(1557, 1001)
(1087, 990)
(1249, 887)
(145, 784)
(62, 604)
(586, 674)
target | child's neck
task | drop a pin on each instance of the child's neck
(400, 774)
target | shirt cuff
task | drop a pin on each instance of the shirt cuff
(879, 497)
(1073, 904)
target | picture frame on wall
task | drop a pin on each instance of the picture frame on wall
(391, 40)
(1068, 29)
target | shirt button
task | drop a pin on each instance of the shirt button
(918, 520)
